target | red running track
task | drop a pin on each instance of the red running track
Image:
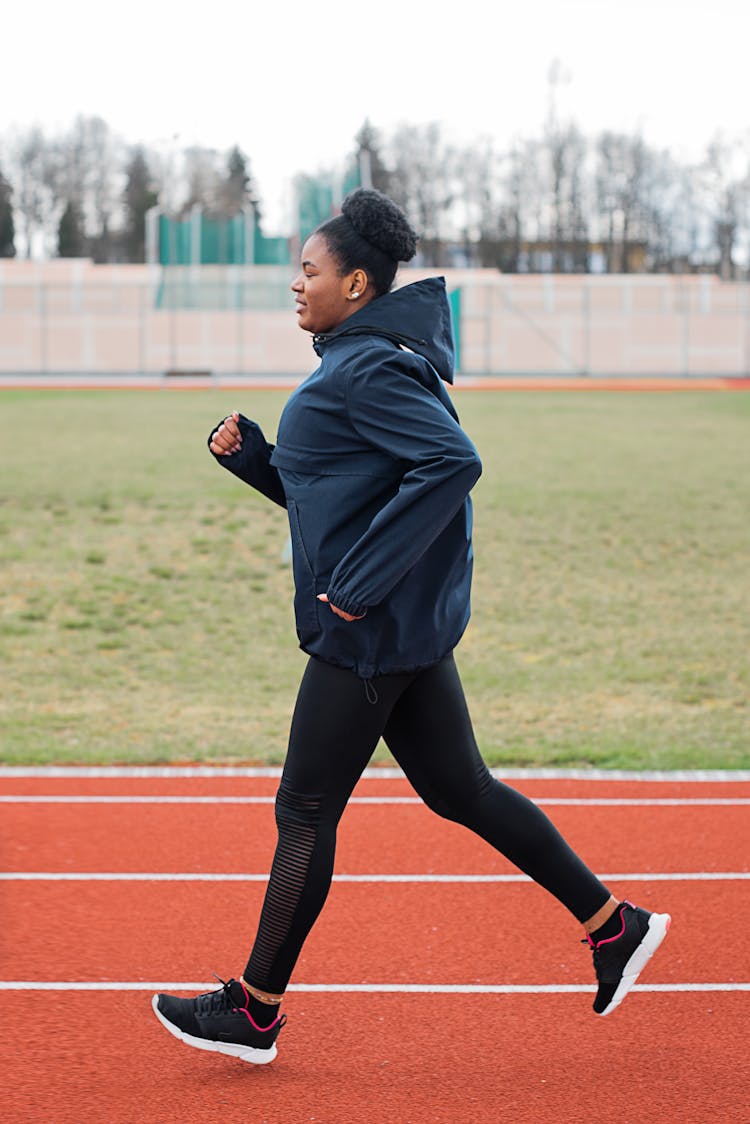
(375, 1054)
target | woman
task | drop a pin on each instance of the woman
(375, 472)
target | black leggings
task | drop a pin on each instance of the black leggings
(424, 721)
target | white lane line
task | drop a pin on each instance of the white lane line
(376, 989)
(200, 876)
(545, 801)
(373, 773)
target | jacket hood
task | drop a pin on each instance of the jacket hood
(417, 316)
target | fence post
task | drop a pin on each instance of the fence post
(143, 291)
(240, 305)
(43, 327)
(685, 329)
(586, 294)
(173, 329)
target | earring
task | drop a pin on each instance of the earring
(354, 296)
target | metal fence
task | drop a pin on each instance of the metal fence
(240, 321)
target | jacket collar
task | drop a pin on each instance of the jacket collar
(417, 316)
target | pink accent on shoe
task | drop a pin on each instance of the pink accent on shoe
(247, 1013)
(253, 1022)
(608, 940)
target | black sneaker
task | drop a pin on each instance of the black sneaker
(619, 960)
(220, 1021)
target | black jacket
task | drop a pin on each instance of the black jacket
(375, 472)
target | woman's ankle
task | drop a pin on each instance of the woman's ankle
(262, 1006)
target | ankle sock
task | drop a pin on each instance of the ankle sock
(262, 1014)
(611, 927)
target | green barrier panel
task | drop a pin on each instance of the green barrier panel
(271, 251)
(198, 240)
(454, 299)
(319, 198)
(315, 204)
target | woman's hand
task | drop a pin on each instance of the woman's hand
(227, 438)
(339, 612)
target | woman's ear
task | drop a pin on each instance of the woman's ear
(358, 284)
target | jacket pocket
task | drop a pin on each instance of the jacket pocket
(305, 600)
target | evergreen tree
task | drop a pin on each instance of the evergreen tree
(139, 197)
(237, 190)
(71, 240)
(7, 227)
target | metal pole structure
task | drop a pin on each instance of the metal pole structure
(586, 327)
(337, 192)
(685, 341)
(43, 327)
(745, 314)
(488, 311)
(249, 213)
(143, 291)
(196, 233)
(196, 219)
(152, 217)
(365, 167)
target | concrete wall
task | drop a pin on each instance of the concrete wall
(71, 317)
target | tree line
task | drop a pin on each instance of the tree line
(559, 201)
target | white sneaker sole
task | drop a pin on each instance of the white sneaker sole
(658, 926)
(234, 1050)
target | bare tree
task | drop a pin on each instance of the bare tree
(520, 217)
(423, 184)
(77, 167)
(477, 188)
(202, 177)
(724, 178)
(539, 204)
(102, 181)
(622, 170)
(33, 196)
(563, 186)
(666, 214)
(566, 152)
(686, 227)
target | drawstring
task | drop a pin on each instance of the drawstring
(370, 693)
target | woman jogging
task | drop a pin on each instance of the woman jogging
(375, 473)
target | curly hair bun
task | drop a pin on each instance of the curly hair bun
(378, 220)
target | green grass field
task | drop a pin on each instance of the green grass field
(145, 613)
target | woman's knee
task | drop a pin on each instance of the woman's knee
(297, 807)
(461, 799)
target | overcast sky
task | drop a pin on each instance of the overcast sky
(292, 82)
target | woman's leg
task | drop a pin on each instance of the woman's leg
(429, 732)
(337, 722)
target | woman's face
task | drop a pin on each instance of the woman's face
(325, 298)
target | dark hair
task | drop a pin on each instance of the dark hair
(371, 233)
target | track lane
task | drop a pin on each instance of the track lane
(399, 1059)
(391, 1059)
(424, 933)
(372, 839)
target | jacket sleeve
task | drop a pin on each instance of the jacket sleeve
(253, 461)
(395, 412)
